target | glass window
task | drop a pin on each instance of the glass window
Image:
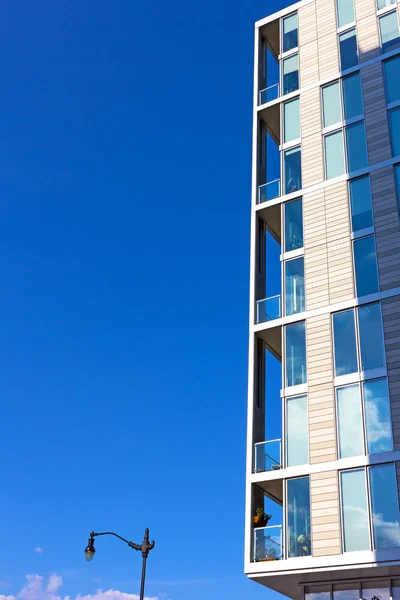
(296, 365)
(384, 506)
(331, 104)
(348, 49)
(360, 203)
(318, 592)
(389, 28)
(371, 590)
(377, 416)
(354, 511)
(352, 96)
(294, 225)
(346, 591)
(357, 156)
(396, 590)
(294, 286)
(298, 517)
(365, 266)
(297, 431)
(345, 348)
(385, 3)
(371, 337)
(334, 154)
(394, 117)
(392, 79)
(291, 74)
(292, 167)
(291, 120)
(345, 12)
(290, 36)
(350, 429)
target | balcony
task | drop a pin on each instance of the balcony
(269, 191)
(268, 456)
(268, 309)
(268, 94)
(268, 543)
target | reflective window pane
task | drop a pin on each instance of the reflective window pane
(290, 33)
(345, 348)
(346, 591)
(291, 120)
(377, 416)
(352, 96)
(294, 225)
(296, 366)
(318, 592)
(365, 266)
(389, 28)
(392, 79)
(292, 167)
(334, 154)
(291, 74)
(298, 517)
(357, 155)
(375, 589)
(294, 286)
(385, 3)
(371, 337)
(384, 506)
(394, 117)
(331, 104)
(345, 12)
(348, 49)
(297, 431)
(354, 511)
(396, 589)
(349, 419)
(360, 203)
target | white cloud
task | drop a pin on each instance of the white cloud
(38, 550)
(37, 588)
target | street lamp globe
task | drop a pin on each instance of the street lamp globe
(90, 550)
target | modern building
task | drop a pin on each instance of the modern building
(323, 456)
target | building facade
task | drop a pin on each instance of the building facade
(323, 453)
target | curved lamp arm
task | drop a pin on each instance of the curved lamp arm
(144, 547)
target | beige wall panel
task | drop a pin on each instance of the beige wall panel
(307, 24)
(367, 37)
(325, 514)
(328, 57)
(326, 17)
(340, 270)
(314, 219)
(308, 58)
(312, 160)
(376, 121)
(364, 8)
(391, 326)
(337, 211)
(310, 112)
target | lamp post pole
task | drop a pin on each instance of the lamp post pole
(144, 548)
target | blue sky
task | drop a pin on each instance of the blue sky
(125, 161)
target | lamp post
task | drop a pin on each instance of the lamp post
(144, 547)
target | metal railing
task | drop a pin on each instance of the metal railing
(268, 543)
(268, 309)
(268, 94)
(269, 191)
(268, 456)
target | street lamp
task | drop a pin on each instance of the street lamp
(144, 547)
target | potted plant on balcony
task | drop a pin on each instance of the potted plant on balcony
(261, 518)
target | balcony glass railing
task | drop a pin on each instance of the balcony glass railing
(269, 191)
(268, 543)
(268, 309)
(267, 456)
(268, 94)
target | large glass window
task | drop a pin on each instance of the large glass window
(385, 3)
(346, 591)
(371, 337)
(366, 271)
(290, 33)
(374, 590)
(377, 416)
(348, 49)
(357, 156)
(293, 225)
(296, 431)
(318, 592)
(394, 117)
(294, 286)
(392, 79)
(292, 169)
(290, 74)
(360, 203)
(331, 104)
(345, 12)
(384, 506)
(354, 510)
(291, 120)
(298, 517)
(345, 346)
(349, 416)
(334, 154)
(389, 28)
(296, 365)
(352, 96)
